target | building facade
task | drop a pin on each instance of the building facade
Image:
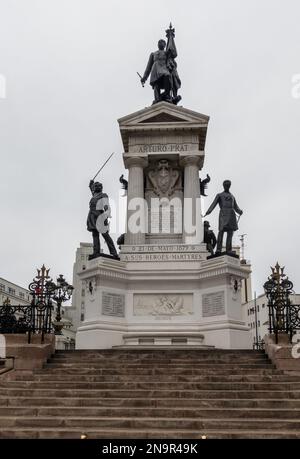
(77, 311)
(15, 293)
(259, 323)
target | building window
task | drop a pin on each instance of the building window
(248, 312)
(82, 305)
(11, 291)
(82, 317)
(263, 305)
(258, 308)
(2, 288)
(83, 292)
(22, 295)
(259, 323)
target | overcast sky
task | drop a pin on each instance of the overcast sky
(70, 69)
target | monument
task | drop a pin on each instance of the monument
(166, 289)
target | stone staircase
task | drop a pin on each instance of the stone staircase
(146, 393)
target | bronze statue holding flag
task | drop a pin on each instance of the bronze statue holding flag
(163, 69)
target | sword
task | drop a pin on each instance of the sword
(143, 84)
(103, 166)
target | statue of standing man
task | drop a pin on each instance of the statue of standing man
(227, 217)
(97, 221)
(163, 69)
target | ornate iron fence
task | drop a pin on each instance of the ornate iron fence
(284, 316)
(15, 319)
(37, 317)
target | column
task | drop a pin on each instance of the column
(136, 210)
(192, 220)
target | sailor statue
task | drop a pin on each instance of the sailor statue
(97, 221)
(228, 222)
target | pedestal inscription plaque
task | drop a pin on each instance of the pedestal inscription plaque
(213, 304)
(113, 304)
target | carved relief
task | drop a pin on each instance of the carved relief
(162, 305)
(236, 286)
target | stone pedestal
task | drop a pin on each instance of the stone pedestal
(163, 289)
(171, 292)
(285, 355)
(28, 357)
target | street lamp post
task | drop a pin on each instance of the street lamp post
(61, 292)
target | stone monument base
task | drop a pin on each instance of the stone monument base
(163, 293)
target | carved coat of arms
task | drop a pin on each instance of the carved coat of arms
(163, 178)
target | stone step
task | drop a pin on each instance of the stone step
(158, 360)
(134, 385)
(150, 363)
(199, 364)
(140, 413)
(162, 368)
(186, 378)
(19, 401)
(152, 393)
(200, 424)
(167, 351)
(212, 371)
(28, 391)
(104, 433)
(161, 361)
(159, 379)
